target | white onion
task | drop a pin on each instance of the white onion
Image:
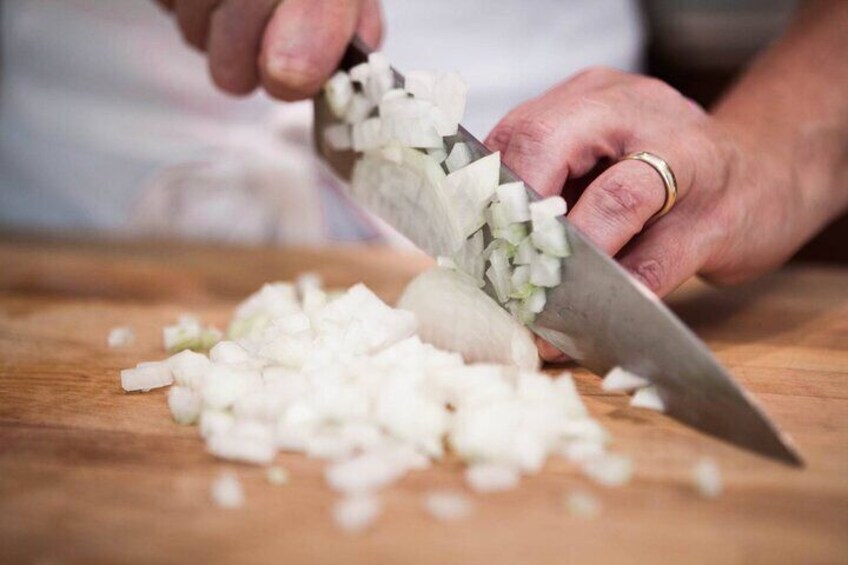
(470, 189)
(459, 157)
(356, 513)
(706, 476)
(120, 337)
(621, 380)
(499, 273)
(227, 491)
(491, 477)
(367, 134)
(246, 440)
(513, 198)
(609, 469)
(359, 108)
(582, 504)
(479, 329)
(420, 84)
(648, 398)
(447, 506)
(338, 91)
(545, 271)
(147, 376)
(185, 404)
(360, 73)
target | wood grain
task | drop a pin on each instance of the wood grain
(89, 474)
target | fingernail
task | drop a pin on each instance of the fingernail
(293, 71)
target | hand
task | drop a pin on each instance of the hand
(290, 47)
(737, 213)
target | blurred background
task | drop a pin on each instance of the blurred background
(109, 123)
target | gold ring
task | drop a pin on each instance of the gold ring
(666, 174)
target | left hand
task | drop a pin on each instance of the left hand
(736, 215)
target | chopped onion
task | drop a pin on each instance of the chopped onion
(621, 380)
(338, 91)
(545, 210)
(147, 376)
(121, 337)
(525, 252)
(367, 134)
(185, 405)
(355, 514)
(359, 109)
(227, 491)
(498, 273)
(649, 398)
(707, 478)
(360, 73)
(246, 440)
(479, 329)
(545, 271)
(491, 477)
(447, 506)
(609, 469)
(470, 189)
(513, 198)
(420, 84)
(582, 504)
(277, 476)
(550, 239)
(459, 157)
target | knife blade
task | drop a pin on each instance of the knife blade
(602, 317)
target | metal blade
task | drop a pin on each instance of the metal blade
(602, 317)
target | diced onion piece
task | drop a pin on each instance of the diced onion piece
(247, 441)
(277, 476)
(535, 303)
(358, 109)
(185, 405)
(470, 189)
(378, 62)
(513, 198)
(367, 134)
(355, 514)
(408, 122)
(550, 239)
(410, 197)
(214, 421)
(492, 477)
(338, 136)
(120, 337)
(519, 285)
(227, 491)
(364, 473)
(582, 504)
(380, 82)
(420, 84)
(546, 209)
(438, 154)
(649, 398)
(360, 73)
(470, 260)
(459, 157)
(449, 94)
(447, 506)
(609, 469)
(621, 380)
(480, 330)
(545, 271)
(706, 476)
(147, 376)
(188, 368)
(525, 253)
(338, 91)
(499, 273)
(394, 93)
(513, 233)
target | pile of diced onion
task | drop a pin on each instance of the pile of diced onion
(345, 378)
(411, 165)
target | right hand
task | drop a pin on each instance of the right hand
(289, 47)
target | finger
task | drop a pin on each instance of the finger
(549, 353)
(235, 37)
(618, 204)
(669, 252)
(303, 44)
(193, 20)
(166, 4)
(370, 27)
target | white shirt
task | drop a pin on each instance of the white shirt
(109, 121)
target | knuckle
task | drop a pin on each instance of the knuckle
(499, 138)
(652, 272)
(596, 75)
(618, 200)
(531, 137)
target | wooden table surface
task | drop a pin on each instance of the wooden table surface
(89, 474)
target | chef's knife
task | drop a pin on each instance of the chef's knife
(601, 317)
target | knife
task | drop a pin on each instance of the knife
(602, 317)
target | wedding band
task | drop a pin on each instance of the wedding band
(666, 174)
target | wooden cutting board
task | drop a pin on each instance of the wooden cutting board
(89, 474)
